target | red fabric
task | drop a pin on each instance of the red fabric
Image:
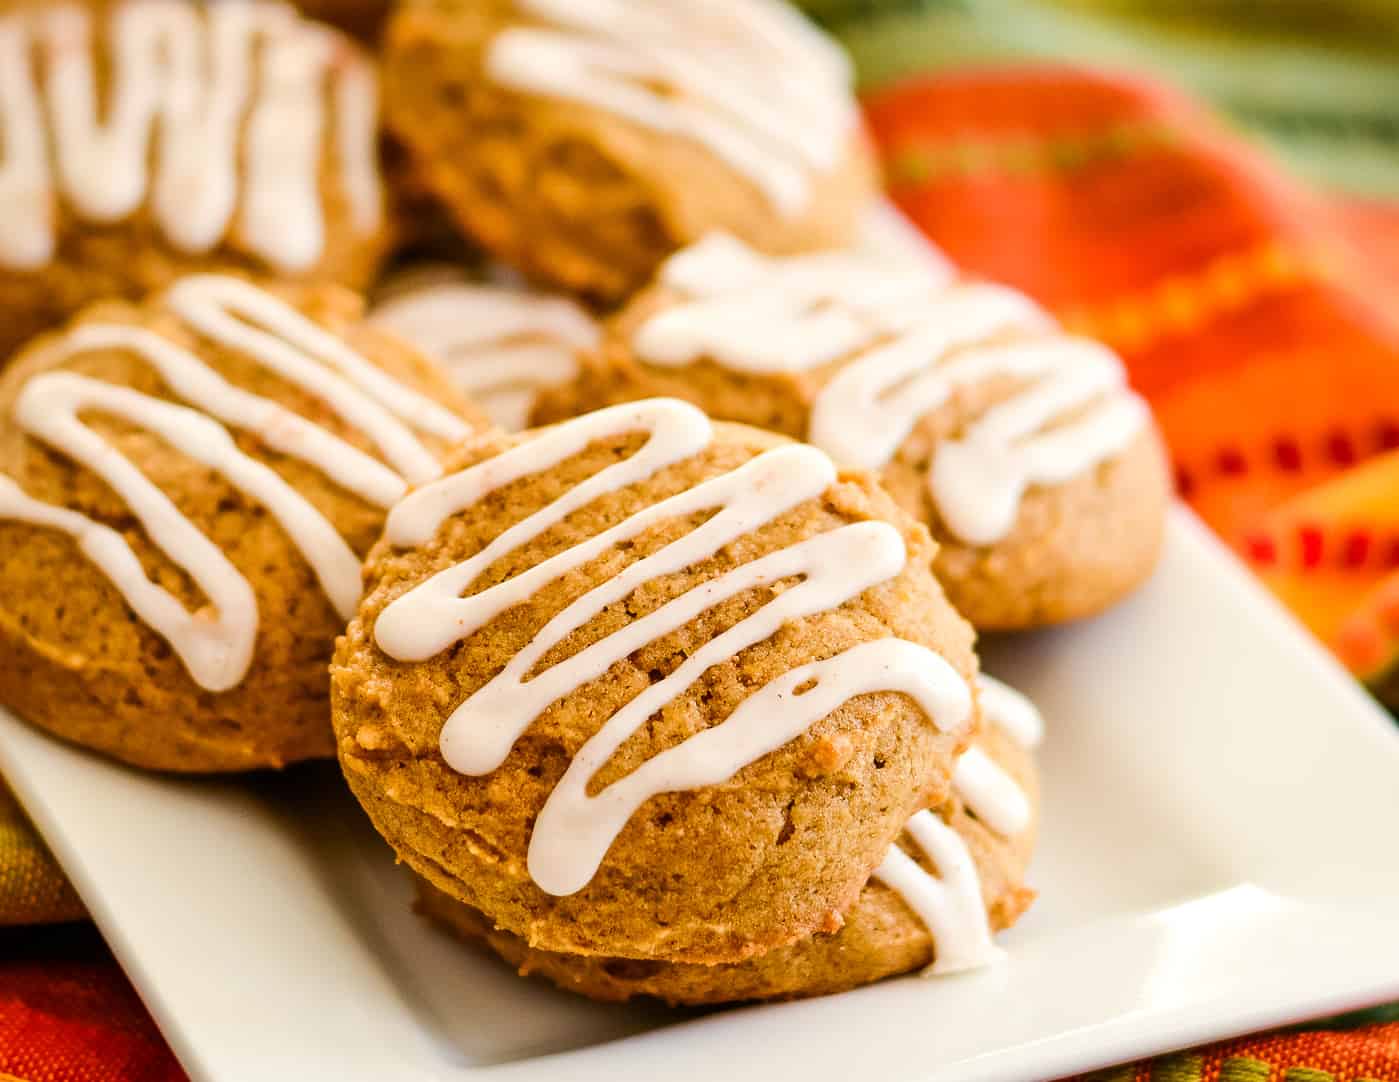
(68, 1014)
(1367, 1054)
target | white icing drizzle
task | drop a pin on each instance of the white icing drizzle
(977, 480)
(355, 110)
(574, 830)
(750, 80)
(26, 204)
(909, 339)
(216, 644)
(502, 345)
(186, 85)
(760, 315)
(218, 652)
(243, 317)
(1010, 711)
(992, 794)
(949, 902)
(886, 234)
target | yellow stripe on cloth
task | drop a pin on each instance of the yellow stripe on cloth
(33, 889)
(927, 161)
(1185, 304)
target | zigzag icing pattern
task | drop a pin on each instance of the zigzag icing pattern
(217, 649)
(574, 830)
(908, 339)
(213, 120)
(750, 80)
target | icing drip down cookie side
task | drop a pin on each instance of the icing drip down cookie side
(948, 898)
(783, 630)
(916, 913)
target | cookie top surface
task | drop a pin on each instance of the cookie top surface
(226, 126)
(199, 477)
(984, 419)
(585, 141)
(750, 80)
(502, 344)
(882, 351)
(645, 685)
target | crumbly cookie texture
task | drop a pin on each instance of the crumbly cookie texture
(1038, 472)
(174, 555)
(127, 174)
(584, 151)
(713, 867)
(881, 936)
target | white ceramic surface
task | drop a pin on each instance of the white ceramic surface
(1218, 799)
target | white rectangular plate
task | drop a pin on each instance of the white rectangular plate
(1219, 798)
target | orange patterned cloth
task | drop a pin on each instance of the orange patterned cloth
(67, 1014)
(1365, 1054)
(1252, 313)
(1255, 315)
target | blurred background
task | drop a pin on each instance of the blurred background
(1319, 79)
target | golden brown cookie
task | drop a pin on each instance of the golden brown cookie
(187, 489)
(583, 141)
(642, 685)
(1039, 473)
(503, 344)
(141, 140)
(882, 935)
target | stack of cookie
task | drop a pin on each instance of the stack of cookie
(657, 666)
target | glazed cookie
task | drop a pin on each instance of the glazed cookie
(503, 345)
(187, 489)
(1039, 473)
(647, 686)
(141, 140)
(952, 880)
(585, 140)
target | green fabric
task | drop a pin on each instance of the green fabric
(1318, 78)
(1371, 1016)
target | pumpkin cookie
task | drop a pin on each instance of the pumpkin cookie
(643, 685)
(187, 489)
(583, 141)
(141, 140)
(956, 877)
(1037, 470)
(502, 344)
